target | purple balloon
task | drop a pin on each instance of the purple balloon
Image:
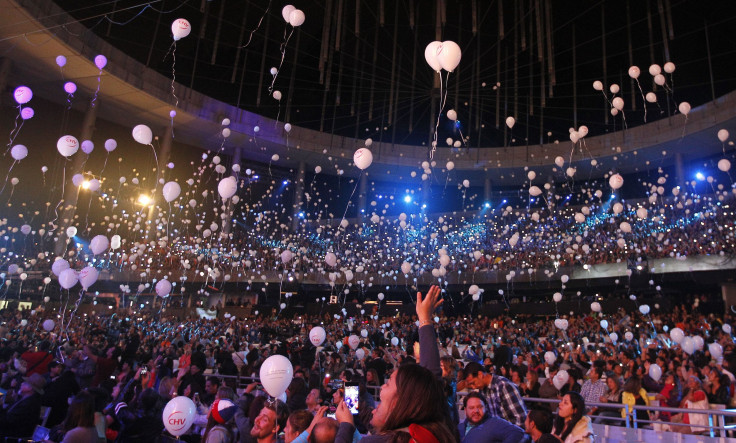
(22, 95)
(100, 61)
(61, 61)
(70, 87)
(172, 114)
(27, 113)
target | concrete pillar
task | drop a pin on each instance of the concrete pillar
(362, 196)
(71, 192)
(298, 195)
(6, 65)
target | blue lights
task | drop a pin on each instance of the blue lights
(255, 177)
(301, 214)
(285, 182)
(613, 196)
(407, 198)
(699, 175)
(487, 205)
(424, 206)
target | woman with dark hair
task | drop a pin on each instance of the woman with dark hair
(571, 424)
(79, 424)
(634, 395)
(413, 406)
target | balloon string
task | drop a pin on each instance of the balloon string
(94, 98)
(437, 124)
(283, 54)
(69, 98)
(16, 128)
(8, 175)
(104, 165)
(56, 209)
(173, 76)
(250, 37)
(644, 100)
(357, 182)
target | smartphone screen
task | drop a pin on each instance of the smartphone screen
(351, 397)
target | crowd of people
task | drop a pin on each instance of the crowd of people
(107, 378)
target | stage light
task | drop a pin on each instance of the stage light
(85, 184)
(613, 196)
(699, 175)
(407, 198)
(424, 206)
(144, 199)
(301, 214)
(286, 182)
(487, 205)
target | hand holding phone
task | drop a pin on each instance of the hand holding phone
(352, 393)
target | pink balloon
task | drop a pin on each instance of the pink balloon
(70, 87)
(61, 61)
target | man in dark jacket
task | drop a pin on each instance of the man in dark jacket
(142, 424)
(20, 418)
(61, 385)
(481, 428)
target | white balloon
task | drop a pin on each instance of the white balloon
(449, 55)
(331, 259)
(510, 122)
(669, 67)
(724, 165)
(560, 379)
(317, 335)
(557, 297)
(595, 307)
(430, 55)
(180, 28)
(684, 108)
(142, 134)
(286, 12)
(618, 103)
(58, 266)
(688, 345)
(115, 242)
(68, 278)
(287, 127)
(163, 288)
(19, 152)
(395, 341)
(655, 371)
(534, 191)
(296, 18)
(634, 72)
(450, 166)
(452, 114)
(604, 324)
(99, 244)
(598, 85)
(677, 335)
(277, 95)
(171, 191)
(48, 325)
(616, 181)
(559, 161)
(178, 415)
(716, 350)
(67, 145)
(363, 158)
(723, 135)
(88, 276)
(644, 309)
(550, 358)
(227, 187)
(286, 256)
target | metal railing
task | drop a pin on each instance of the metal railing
(716, 417)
